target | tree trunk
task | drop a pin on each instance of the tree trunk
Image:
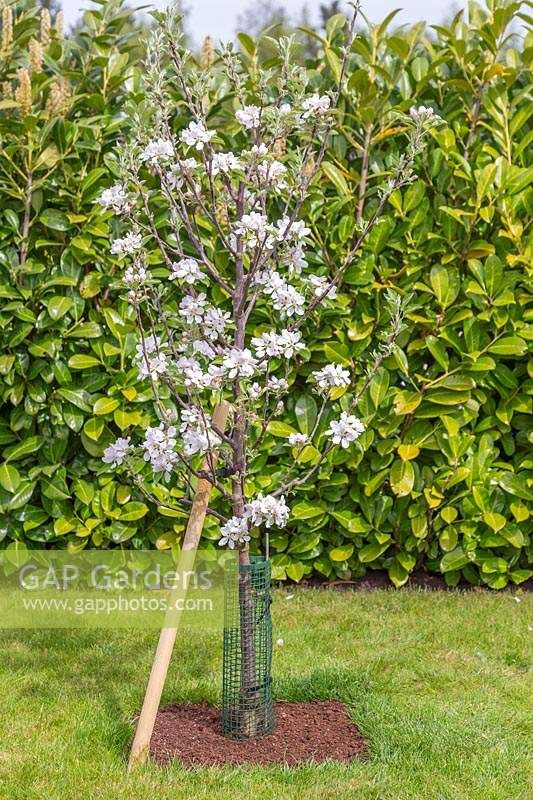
(248, 691)
(249, 694)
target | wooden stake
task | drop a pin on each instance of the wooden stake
(145, 726)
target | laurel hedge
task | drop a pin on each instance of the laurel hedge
(442, 478)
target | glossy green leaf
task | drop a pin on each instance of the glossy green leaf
(57, 307)
(83, 361)
(9, 477)
(105, 405)
(306, 413)
(341, 553)
(402, 477)
(54, 219)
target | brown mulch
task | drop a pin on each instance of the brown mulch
(317, 731)
(379, 579)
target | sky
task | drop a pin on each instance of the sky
(218, 18)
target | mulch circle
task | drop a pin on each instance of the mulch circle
(379, 579)
(305, 732)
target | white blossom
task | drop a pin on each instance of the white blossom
(192, 308)
(254, 229)
(203, 348)
(249, 116)
(188, 164)
(215, 376)
(319, 284)
(194, 377)
(298, 439)
(196, 432)
(291, 342)
(421, 113)
(297, 229)
(316, 104)
(151, 345)
(331, 375)
(273, 172)
(274, 344)
(258, 150)
(153, 366)
(115, 198)
(159, 448)
(215, 322)
(255, 391)
(289, 301)
(285, 298)
(277, 385)
(175, 175)
(225, 162)
(149, 358)
(268, 510)
(196, 135)
(194, 441)
(294, 258)
(157, 150)
(234, 532)
(128, 245)
(239, 363)
(135, 274)
(345, 430)
(191, 373)
(116, 452)
(187, 270)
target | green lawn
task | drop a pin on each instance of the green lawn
(437, 682)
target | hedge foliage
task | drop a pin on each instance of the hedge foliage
(442, 478)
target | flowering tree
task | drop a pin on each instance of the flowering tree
(226, 281)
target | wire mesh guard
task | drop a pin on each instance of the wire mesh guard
(247, 707)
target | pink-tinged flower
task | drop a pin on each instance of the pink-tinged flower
(116, 453)
(249, 117)
(196, 135)
(316, 105)
(421, 113)
(298, 439)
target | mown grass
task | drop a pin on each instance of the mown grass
(437, 682)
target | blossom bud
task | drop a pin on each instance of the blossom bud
(309, 167)
(36, 55)
(58, 99)
(23, 91)
(45, 27)
(7, 28)
(222, 215)
(60, 25)
(279, 148)
(208, 53)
